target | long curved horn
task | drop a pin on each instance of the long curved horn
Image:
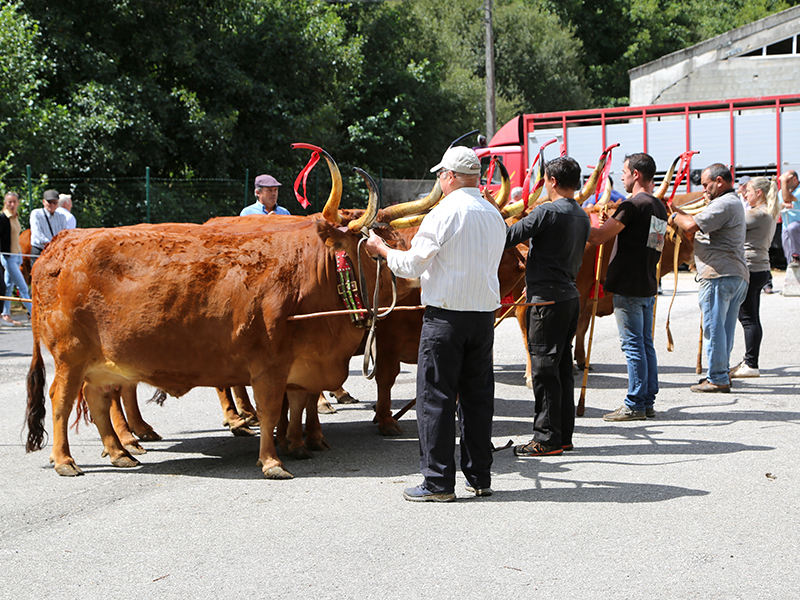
(662, 189)
(512, 210)
(331, 211)
(517, 208)
(591, 185)
(606, 195)
(505, 187)
(392, 213)
(368, 218)
(406, 222)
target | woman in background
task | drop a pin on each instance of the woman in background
(762, 196)
(11, 257)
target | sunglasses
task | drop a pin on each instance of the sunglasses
(52, 201)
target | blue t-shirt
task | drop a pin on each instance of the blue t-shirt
(260, 209)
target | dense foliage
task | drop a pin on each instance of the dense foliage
(98, 90)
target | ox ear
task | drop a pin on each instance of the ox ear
(332, 236)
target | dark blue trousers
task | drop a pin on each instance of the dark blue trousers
(455, 362)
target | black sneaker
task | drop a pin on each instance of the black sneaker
(536, 449)
(650, 412)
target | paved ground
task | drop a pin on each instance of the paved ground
(701, 502)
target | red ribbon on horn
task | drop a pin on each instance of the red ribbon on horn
(601, 184)
(683, 171)
(490, 171)
(303, 176)
(526, 186)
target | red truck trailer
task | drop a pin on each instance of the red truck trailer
(756, 136)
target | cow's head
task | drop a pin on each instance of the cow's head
(349, 231)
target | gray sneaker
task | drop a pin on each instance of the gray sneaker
(623, 413)
(650, 412)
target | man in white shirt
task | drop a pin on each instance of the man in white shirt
(65, 208)
(45, 223)
(455, 254)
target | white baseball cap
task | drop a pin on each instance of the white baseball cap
(461, 160)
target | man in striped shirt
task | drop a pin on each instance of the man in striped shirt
(455, 254)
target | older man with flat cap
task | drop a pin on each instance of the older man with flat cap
(266, 203)
(455, 254)
(46, 222)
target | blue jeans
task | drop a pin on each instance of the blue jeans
(13, 277)
(635, 324)
(719, 300)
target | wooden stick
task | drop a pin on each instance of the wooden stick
(508, 312)
(582, 401)
(17, 299)
(670, 343)
(655, 300)
(404, 410)
(332, 313)
(699, 368)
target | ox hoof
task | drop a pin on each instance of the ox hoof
(125, 462)
(325, 408)
(318, 445)
(301, 453)
(135, 449)
(579, 411)
(242, 431)
(277, 473)
(150, 436)
(390, 427)
(529, 383)
(251, 421)
(346, 398)
(68, 470)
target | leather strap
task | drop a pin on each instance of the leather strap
(348, 289)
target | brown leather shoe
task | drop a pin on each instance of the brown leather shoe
(707, 386)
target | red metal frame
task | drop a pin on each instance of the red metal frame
(604, 116)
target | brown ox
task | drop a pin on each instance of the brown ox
(182, 306)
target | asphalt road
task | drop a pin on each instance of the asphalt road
(701, 502)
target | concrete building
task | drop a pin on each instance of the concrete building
(758, 59)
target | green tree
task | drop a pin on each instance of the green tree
(194, 88)
(31, 125)
(400, 115)
(618, 35)
(537, 59)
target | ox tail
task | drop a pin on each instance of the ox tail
(81, 411)
(159, 397)
(35, 413)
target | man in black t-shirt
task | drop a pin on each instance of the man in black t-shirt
(639, 225)
(557, 231)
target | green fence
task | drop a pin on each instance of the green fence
(116, 201)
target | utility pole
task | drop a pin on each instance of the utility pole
(490, 105)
